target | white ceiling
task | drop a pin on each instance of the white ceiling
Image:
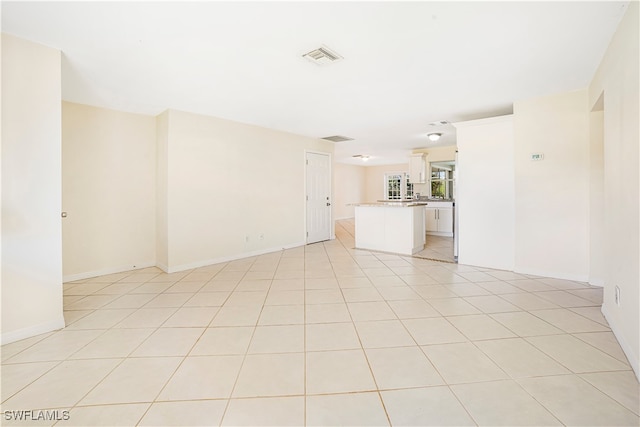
(406, 64)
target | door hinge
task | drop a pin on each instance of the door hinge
(307, 234)
(307, 161)
(307, 198)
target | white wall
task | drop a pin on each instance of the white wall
(552, 195)
(617, 78)
(108, 191)
(227, 181)
(31, 190)
(486, 197)
(350, 186)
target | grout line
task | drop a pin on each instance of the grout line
(326, 255)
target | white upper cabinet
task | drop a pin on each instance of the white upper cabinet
(418, 169)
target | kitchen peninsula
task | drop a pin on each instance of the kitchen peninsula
(391, 226)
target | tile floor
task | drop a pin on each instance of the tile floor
(438, 248)
(325, 335)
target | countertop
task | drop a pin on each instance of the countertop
(393, 204)
(404, 203)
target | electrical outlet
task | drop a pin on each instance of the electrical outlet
(618, 296)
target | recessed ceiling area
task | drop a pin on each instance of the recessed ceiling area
(404, 64)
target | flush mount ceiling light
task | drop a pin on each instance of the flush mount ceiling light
(322, 55)
(361, 157)
(434, 136)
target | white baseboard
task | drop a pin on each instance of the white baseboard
(204, 263)
(626, 348)
(553, 274)
(32, 331)
(162, 267)
(105, 271)
(439, 233)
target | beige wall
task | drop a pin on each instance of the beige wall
(552, 195)
(597, 234)
(108, 191)
(350, 185)
(31, 190)
(228, 180)
(486, 195)
(375, 185)
(176, 190)
(617, 78)
(162, 185)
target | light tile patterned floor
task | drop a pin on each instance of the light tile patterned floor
(326, 335)
(438, 248)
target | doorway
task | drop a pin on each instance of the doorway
(441, 223)
(318, 196)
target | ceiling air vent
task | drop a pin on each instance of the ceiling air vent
(322, 55)
(439, 123)
(337, 138)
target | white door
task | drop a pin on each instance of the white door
(318, 172)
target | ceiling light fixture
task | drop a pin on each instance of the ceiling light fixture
(361, 157)
(434, 136)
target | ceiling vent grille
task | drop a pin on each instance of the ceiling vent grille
(322, 55)
(337, 138)
(439, 123)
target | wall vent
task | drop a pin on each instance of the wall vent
(337, 138)
(439, 123)
(322, 55)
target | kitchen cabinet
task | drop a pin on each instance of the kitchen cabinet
(387, 227)
(418, 169)
(439, 219)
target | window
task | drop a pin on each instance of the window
(397, 186)
(442, 180)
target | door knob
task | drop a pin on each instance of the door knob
(328, 204)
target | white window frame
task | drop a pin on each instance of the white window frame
(448, 185)
(406, 186)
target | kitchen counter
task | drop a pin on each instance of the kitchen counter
(393, 203)
(384, 227)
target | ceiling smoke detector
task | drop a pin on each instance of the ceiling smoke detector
(322, 55)
(337, 138)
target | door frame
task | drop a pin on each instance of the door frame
(332, 234)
